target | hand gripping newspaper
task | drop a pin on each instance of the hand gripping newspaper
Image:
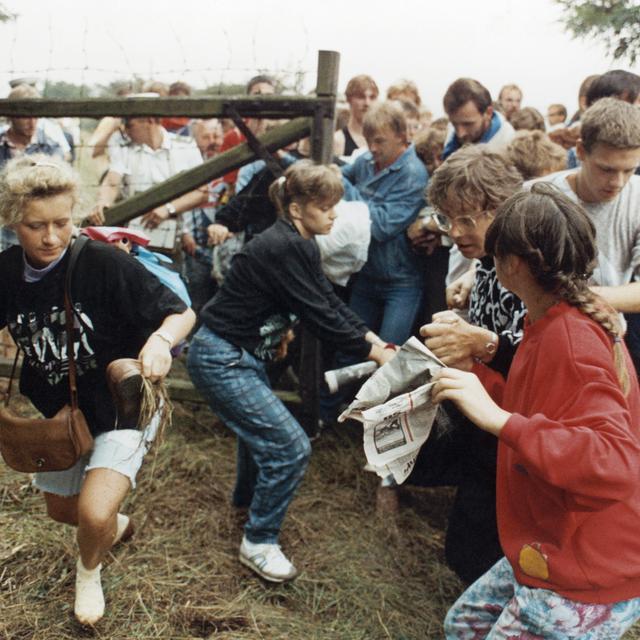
(395, 408)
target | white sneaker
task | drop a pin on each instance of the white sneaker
(267, 560)
(89, 605)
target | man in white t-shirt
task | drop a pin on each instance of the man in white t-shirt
(608, 190)
(153, 156)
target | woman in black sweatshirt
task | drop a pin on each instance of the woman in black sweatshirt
(274, 282)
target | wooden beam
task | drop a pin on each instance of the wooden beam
(184, 391)
(324, 119)
(186, 181)
(205, 107)
(180, 390)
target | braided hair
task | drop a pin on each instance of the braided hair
(556, 238)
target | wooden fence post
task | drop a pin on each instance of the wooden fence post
(322, 152)
(324, 120)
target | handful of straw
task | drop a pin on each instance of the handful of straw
(155, 400)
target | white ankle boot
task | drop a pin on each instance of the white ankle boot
(89, 605)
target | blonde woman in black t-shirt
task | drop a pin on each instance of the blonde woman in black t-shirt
(120, 310)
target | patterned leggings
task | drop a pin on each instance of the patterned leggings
(496, 607)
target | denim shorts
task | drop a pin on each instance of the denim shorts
(122, 450)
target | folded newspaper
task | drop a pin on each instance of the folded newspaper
(395, 408)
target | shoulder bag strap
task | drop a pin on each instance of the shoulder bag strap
(13, 373)
(76, 248)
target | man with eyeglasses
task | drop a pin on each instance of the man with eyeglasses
(465, 191)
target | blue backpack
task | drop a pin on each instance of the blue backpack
(156, 264)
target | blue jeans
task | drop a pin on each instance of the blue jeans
(388, 308)
(273, 449)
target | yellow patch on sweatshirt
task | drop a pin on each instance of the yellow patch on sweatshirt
(533, 562)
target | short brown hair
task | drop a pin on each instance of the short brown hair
(410, 109)
(509, 87)
(440, 123)
(179, 88)
(613, 122)
(23, 91)
(404, 90)
(533, 154)
(429, 145)
(528, 118)
(560, 108)
(385, 114)
(155, 86)
(586, 83)
(479, 179)
(464, 90)
(359, 84)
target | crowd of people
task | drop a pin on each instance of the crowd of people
(508, 241)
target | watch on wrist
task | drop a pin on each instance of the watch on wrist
(490, 348)
(171, 209)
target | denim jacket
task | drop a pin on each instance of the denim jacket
(394, 197)
(41, 144)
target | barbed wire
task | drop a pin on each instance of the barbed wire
(124, 65)
(185, 65)
(177, 70)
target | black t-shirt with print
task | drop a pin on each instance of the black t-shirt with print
(117, 305)
(274, 281)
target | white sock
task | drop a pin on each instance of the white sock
(122, 524)
(89, 605)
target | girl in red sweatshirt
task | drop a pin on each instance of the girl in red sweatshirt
(568, 424)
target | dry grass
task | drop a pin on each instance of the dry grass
(179, 577)
(362, 578)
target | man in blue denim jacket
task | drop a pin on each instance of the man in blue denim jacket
(391, 180)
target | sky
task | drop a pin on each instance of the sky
(203, 42)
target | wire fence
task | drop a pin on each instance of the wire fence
(92, 169)
(90, 40)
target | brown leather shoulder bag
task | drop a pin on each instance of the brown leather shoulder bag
(48, 444)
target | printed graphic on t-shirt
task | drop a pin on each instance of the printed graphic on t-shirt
(43, 340)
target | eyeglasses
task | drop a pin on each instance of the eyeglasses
(464, 223)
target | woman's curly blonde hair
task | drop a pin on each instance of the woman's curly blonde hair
(30, 178)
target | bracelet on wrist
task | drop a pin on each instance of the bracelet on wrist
(164, 335)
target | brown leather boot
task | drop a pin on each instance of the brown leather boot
(124, 378)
